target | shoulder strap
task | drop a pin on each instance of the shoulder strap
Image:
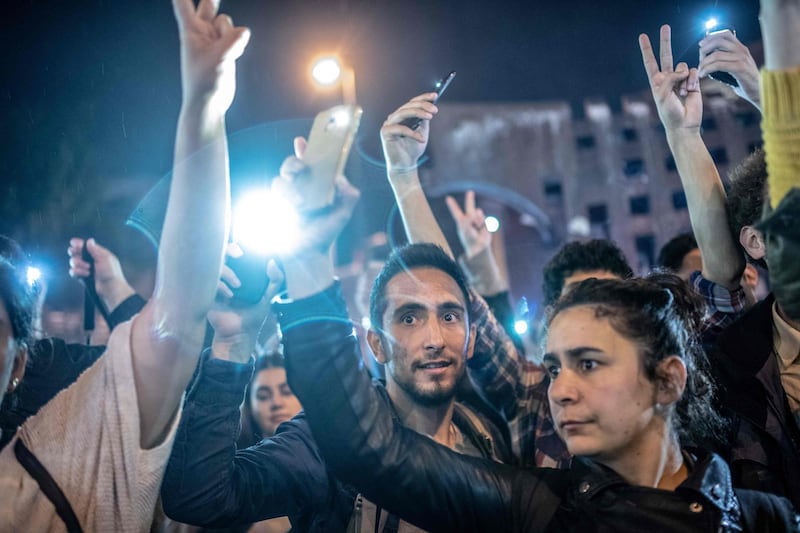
(48, 485)
(479, 433)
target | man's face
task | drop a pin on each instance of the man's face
(692, 262)
(426, 335)
(581, 275)
(272, 402)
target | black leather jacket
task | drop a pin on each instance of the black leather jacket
(438, 490)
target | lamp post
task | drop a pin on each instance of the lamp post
(327, 71)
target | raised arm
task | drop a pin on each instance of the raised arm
(676, 92)
(167, 336)
(780, 26)
(402, 148)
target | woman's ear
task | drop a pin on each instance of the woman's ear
(670, 380)
(18, 370)
(376, 345)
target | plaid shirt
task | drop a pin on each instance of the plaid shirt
(723, 306)
(517, 388)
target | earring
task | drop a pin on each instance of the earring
(13, 386)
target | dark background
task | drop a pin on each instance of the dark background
(91, 89)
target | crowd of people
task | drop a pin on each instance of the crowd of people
(663, 402)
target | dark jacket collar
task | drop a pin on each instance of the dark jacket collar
(709, 476)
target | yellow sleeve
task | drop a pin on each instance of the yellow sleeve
(780, 96)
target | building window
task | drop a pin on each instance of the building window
(585, 142)
(553, 194)
(709, 124)
(598, 214)
(630, 134)
(719, 155)
(633, 167)
(645, 251)
(598, 221)
(640, 205)
(679, 200)
(669, 163)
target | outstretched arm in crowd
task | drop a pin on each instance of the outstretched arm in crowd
(722, 51)
(168, 335)
(676, 91)
(402, 148)
(780, 26)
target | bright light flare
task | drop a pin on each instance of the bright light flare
(521, 327)
(33, 275)
(711, 24)
(326, 71)
(366, 323)
(266, 223)
(492, 224)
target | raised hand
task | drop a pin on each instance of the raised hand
(110, 282)
(722, 51)
(676, 90)
(236, 328)
(319, 230)
(210, 45)
(402, 146)
(471, 225)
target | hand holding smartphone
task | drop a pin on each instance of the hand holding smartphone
(439, 87)
(724, 77)
(329, 144)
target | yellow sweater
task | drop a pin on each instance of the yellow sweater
(780, 94)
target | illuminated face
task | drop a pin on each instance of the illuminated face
(602, 403)
(271, 400)
(581, 275)
(426, 336)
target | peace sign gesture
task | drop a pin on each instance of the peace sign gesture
(676, 90)
(210, 45)
(471, 225)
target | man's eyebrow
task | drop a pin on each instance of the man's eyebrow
(451, 306)
(405, 308)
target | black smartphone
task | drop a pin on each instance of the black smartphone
(251, 269)
(722, 76)
(440, 87)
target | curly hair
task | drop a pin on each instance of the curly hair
(747, 193)
(596, 254)
(662, 316)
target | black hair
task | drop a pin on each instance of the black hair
(17, 295)
(404, 259)
(671, 254)
(663, 316)
(596, 254)
(747, 195)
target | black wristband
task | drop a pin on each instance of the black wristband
(126, 310)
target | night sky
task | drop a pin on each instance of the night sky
(91, 89)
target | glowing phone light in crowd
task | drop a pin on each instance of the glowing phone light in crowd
(492, 224)
(265, 223)
(711, 23)
(33, 275)
(521, 327)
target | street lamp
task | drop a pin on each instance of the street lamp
(329, 70)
